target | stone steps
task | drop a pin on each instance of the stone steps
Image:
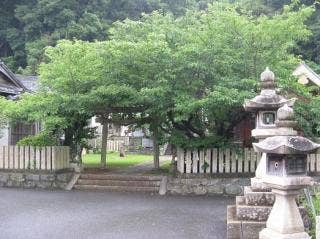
(248, 217)
(237, 229)
(111, 182)
(116, 188)
(118, 182)
(119, 177)
(253, 213)
(255, 198)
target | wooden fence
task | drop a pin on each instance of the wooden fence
(225, 161)
(114, 145)
(34, 158)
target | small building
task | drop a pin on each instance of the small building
(11, 87)
(306, 75)
(242, 131)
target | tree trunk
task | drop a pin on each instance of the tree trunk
(74, 149)
(156, 149)
(103, 163)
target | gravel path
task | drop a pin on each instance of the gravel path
(32, 214)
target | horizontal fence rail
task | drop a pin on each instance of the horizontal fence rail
(225, 161)
(49, 158)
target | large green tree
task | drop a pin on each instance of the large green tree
(185, 78)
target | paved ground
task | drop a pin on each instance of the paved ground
(30, 214)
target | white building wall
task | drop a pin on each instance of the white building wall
(4, 136)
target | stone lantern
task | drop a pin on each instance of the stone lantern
(286, 174)
(265, 106)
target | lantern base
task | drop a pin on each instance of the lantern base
(270, 234)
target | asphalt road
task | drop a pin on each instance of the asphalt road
(31, 214)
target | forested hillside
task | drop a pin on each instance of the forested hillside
(28, 26)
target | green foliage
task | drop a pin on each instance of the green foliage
(41, 140)
(185, 78)
(307, 112)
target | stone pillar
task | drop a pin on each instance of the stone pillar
(104, 140)
(284, 221)
(317, 227)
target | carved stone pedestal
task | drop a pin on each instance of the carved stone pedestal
(284, 221)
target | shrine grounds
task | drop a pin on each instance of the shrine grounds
(36, 214)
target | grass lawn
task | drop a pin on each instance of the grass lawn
(115, 161)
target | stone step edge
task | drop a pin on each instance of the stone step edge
(112, 182)
(120, 177)
(237, 229)
(115, 188)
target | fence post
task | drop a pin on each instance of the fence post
(188, 161)
(246, 168)
(16, 157)
(180, 160)
(2, 157)
(233, 161)
(201, 161)
(227, 160)
(195, 160)
(214, 160)
(208, 160)
(221, 160)
(21, 157)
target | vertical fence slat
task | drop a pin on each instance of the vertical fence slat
(1, 157)
(221, 161)
(207, 160)
(188, 161)
(68, 157)
(27, 164)
(59, 158)
(240, 162)
(253, 159)
(43, 159)
(312, 162)
(233, 161)
(65, 157)
(54, 161)
(180, 160)
(38, 155)
(195, 161)
(21, 157)
(214, 160)
(11, 157)
(227, 160)
(16, 157)
(48, 157)
(246, 161)
(6, 157)
(202, 166)
(318, 162)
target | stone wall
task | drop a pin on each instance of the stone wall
(35, 179)
(206, 185)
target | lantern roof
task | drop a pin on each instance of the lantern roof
(286, 145)
(268, 97)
